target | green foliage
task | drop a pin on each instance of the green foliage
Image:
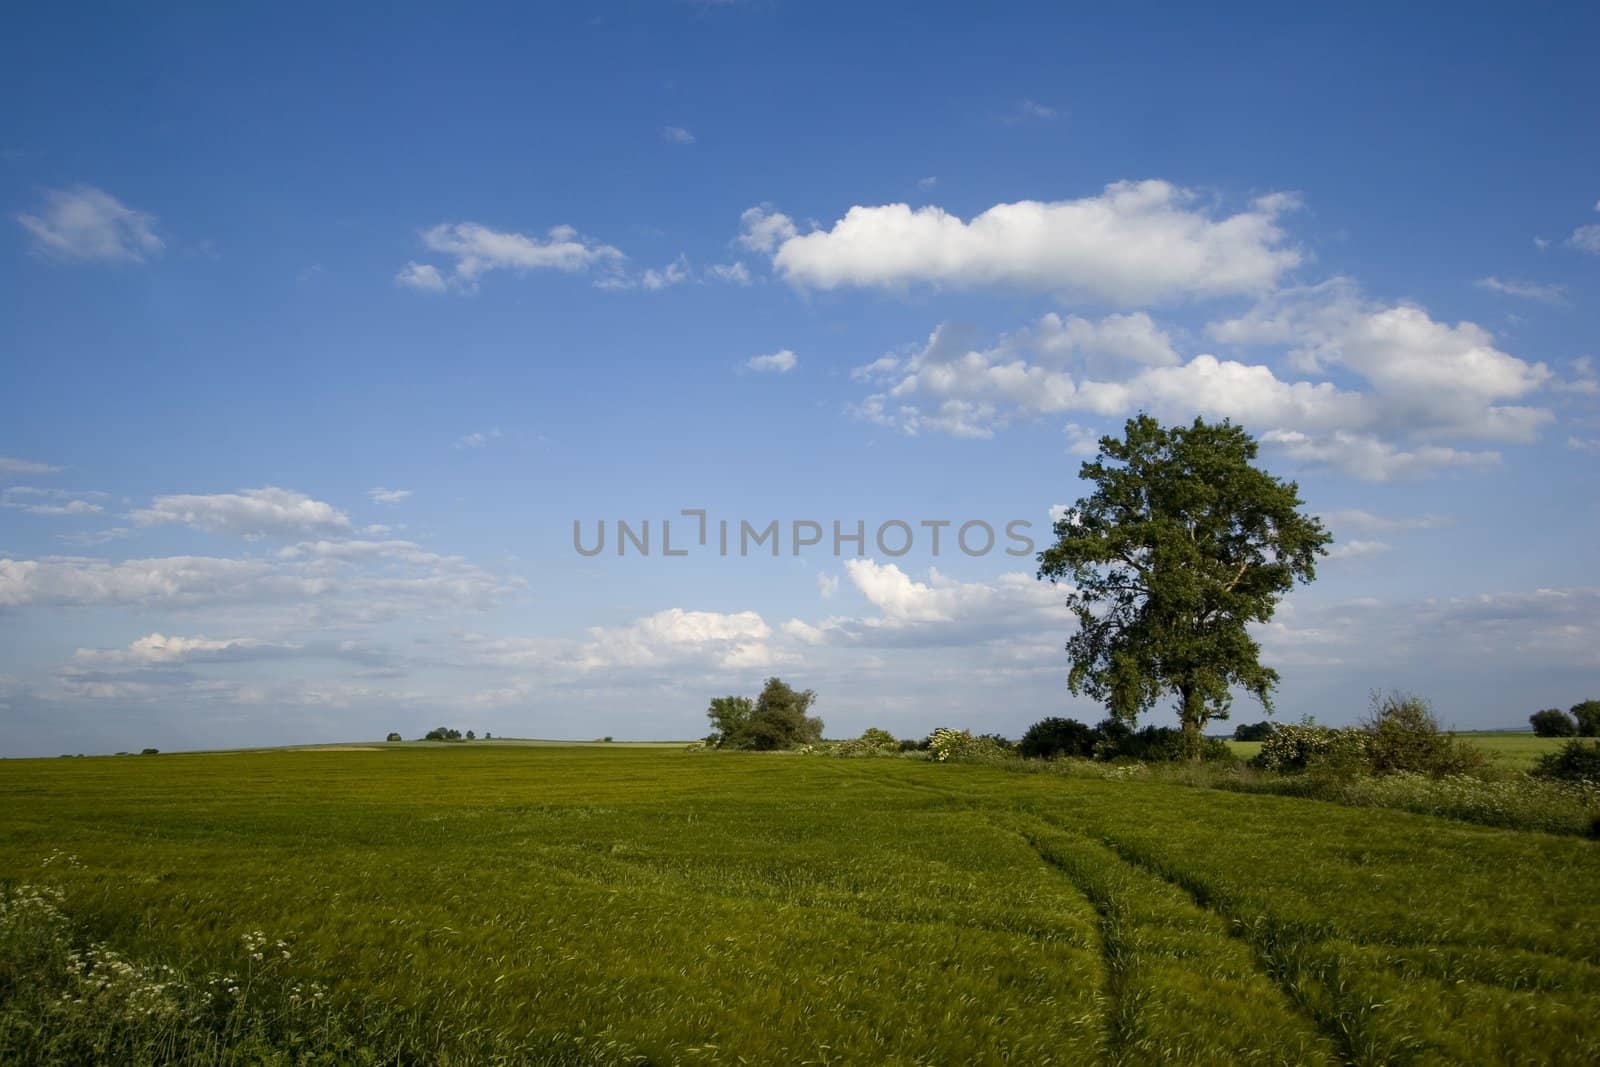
(1183, 544)
(872, 742)
(1553, 722)
(1307, 746)
(1162, 744)
(442, 733)
(1578, 761)
(394, 736)
(1404, 735)
(1587, 713)
(775, 720)
(960, 746)
(1053, 737)
(1254, 731)
(145, 752)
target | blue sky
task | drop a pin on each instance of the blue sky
(322, 329)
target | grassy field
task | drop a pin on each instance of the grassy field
(609, 904)
(1516, 751)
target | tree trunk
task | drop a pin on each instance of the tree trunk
(1192, 717)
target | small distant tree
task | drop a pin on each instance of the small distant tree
(487, 736)
(393, 736)
(145, 752)
(780, 719)
(1588, 715)
(1183, 545)
(442, 733)
(471, 736)
(1553, 722)
(1253, 731)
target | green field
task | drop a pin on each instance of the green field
(610, 904)
(1515, 751)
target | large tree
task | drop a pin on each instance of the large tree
(1183, 543)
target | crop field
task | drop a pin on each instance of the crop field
(609, 904)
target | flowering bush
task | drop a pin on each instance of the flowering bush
(1303, 746)
(959, 746)
(872, 742)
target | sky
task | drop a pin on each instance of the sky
(328, 339)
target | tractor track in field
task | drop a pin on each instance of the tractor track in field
(1342, 1027)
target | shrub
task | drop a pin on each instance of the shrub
(1253, 731)
(442, 733)
(394, 736)
(1404, 735)
(872, 742)
(959, 746)
(1053, 737)
(1306, 746)
(1553, 722)
(1159, 744)
(1577, 761)
(145, 752)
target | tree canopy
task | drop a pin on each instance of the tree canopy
(776, 719)
(1183, 544)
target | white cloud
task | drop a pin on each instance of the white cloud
(674, 273)
(1027, 110)
(676, 135)
(780, 362)
(928, 183)
(12, 467)
(762, 229)
(827, 585)
(676, 636)
(88, 224)
(1357, 549)
(1583, 444)
(248, 513)
(477, 250)
(424, 276)
(381, 495)
(1366, 522)
(478, 438)
(1586, 239)
(1427, 385)
(735, 273)
(1544, 292)
(1137, 242)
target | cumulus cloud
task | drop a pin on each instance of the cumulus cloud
(762, 229)
(87, 224)
(477, 250)
(780, 362)
(37, 501)
(1424, 387)
(1358, 549)
(1137, 242)
(249, 513)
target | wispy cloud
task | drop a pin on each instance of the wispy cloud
(381, 495)
(12, 467)
(90, 225)
(1547, 293)
(676, 135)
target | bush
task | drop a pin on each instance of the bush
(442, 733)
(1306, 746)
(1160, 744)
(1053, 737)
(145, 752)
(872, 742)
(393, 736)
(1553, 722)
(1577, 761)
(1404, 735)
(959, 746)
(1253, 731)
